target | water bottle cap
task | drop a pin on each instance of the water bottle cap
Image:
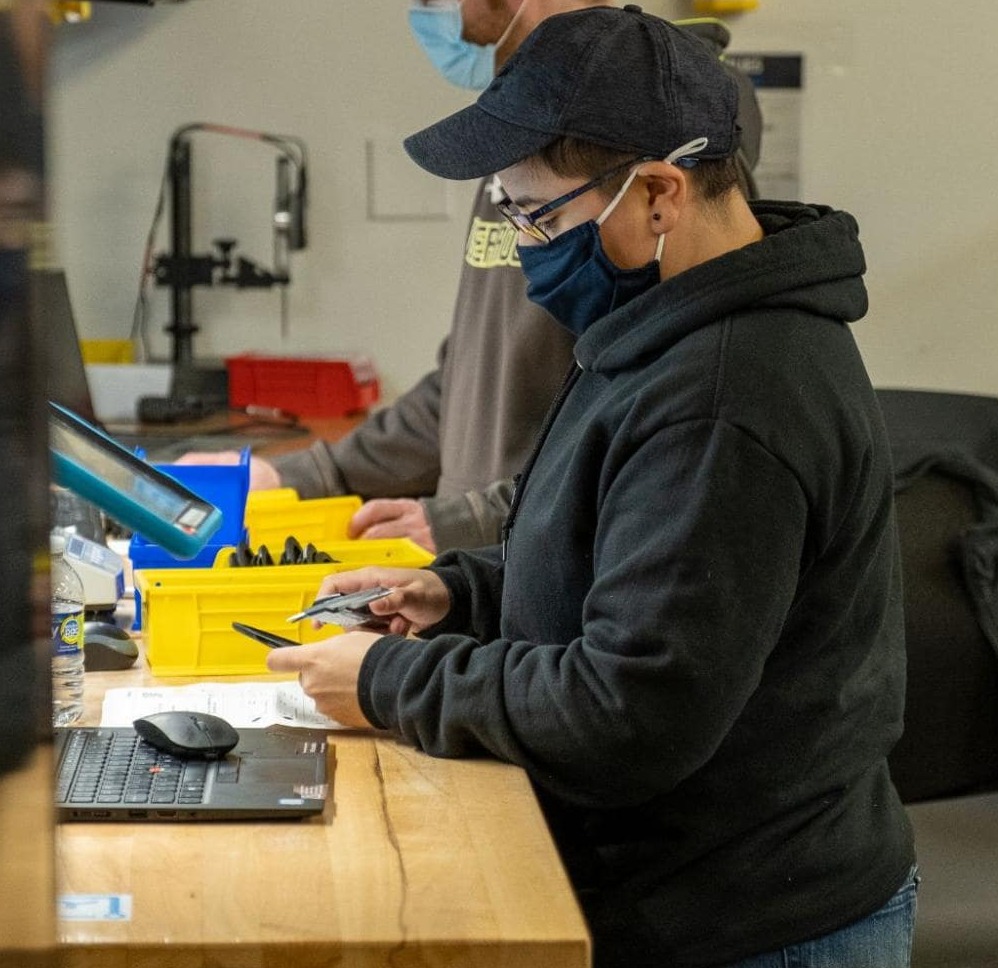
(57, 543)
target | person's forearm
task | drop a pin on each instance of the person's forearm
(394, 453)
(470, 520)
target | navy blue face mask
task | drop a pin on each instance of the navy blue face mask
(574, 279)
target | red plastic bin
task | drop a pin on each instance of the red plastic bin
(306, 387)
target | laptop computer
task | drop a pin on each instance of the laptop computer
(111, 774)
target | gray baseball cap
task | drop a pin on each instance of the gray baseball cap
(617, 77)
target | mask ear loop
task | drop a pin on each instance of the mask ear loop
(660, 248)
(683, 151)
(693, 147)
(608, 211)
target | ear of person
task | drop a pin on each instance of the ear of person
(666, 192)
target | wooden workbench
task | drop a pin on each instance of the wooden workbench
(415, 862)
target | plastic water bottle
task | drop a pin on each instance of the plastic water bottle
(67, 637)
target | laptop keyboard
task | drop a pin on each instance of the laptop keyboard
(102, 767)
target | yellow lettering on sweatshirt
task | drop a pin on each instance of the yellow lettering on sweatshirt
(491, 244)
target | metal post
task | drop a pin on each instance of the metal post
(182, 327)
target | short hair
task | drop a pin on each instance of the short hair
(571, 157)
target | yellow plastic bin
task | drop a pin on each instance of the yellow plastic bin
(274, 516)
(265, 500)
(187, 613)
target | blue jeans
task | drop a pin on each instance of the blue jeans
(881, 940)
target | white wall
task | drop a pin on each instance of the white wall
(333, 73)
(900, 127)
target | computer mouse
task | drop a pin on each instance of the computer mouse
(188, 735)
(107, 647)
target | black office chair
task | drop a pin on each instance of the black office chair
(950, 744)
(946, 764)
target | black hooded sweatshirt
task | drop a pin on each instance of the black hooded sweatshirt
(695, 643)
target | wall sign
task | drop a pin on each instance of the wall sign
(779, 83)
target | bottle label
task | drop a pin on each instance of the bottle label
(67, 632)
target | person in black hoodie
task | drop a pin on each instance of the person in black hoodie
(691, 638)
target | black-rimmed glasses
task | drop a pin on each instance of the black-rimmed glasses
(526, 222)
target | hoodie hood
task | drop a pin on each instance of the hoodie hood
(810, 261)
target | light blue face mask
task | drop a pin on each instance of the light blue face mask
(438, 30)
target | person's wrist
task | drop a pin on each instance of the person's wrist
(367, 676)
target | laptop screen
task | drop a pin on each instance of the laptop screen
(67, 376)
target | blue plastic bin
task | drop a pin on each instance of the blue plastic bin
(224, 485)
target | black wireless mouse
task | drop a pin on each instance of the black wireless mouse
(107, 647)
(188, 735)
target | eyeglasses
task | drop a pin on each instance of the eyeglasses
(526, 222)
